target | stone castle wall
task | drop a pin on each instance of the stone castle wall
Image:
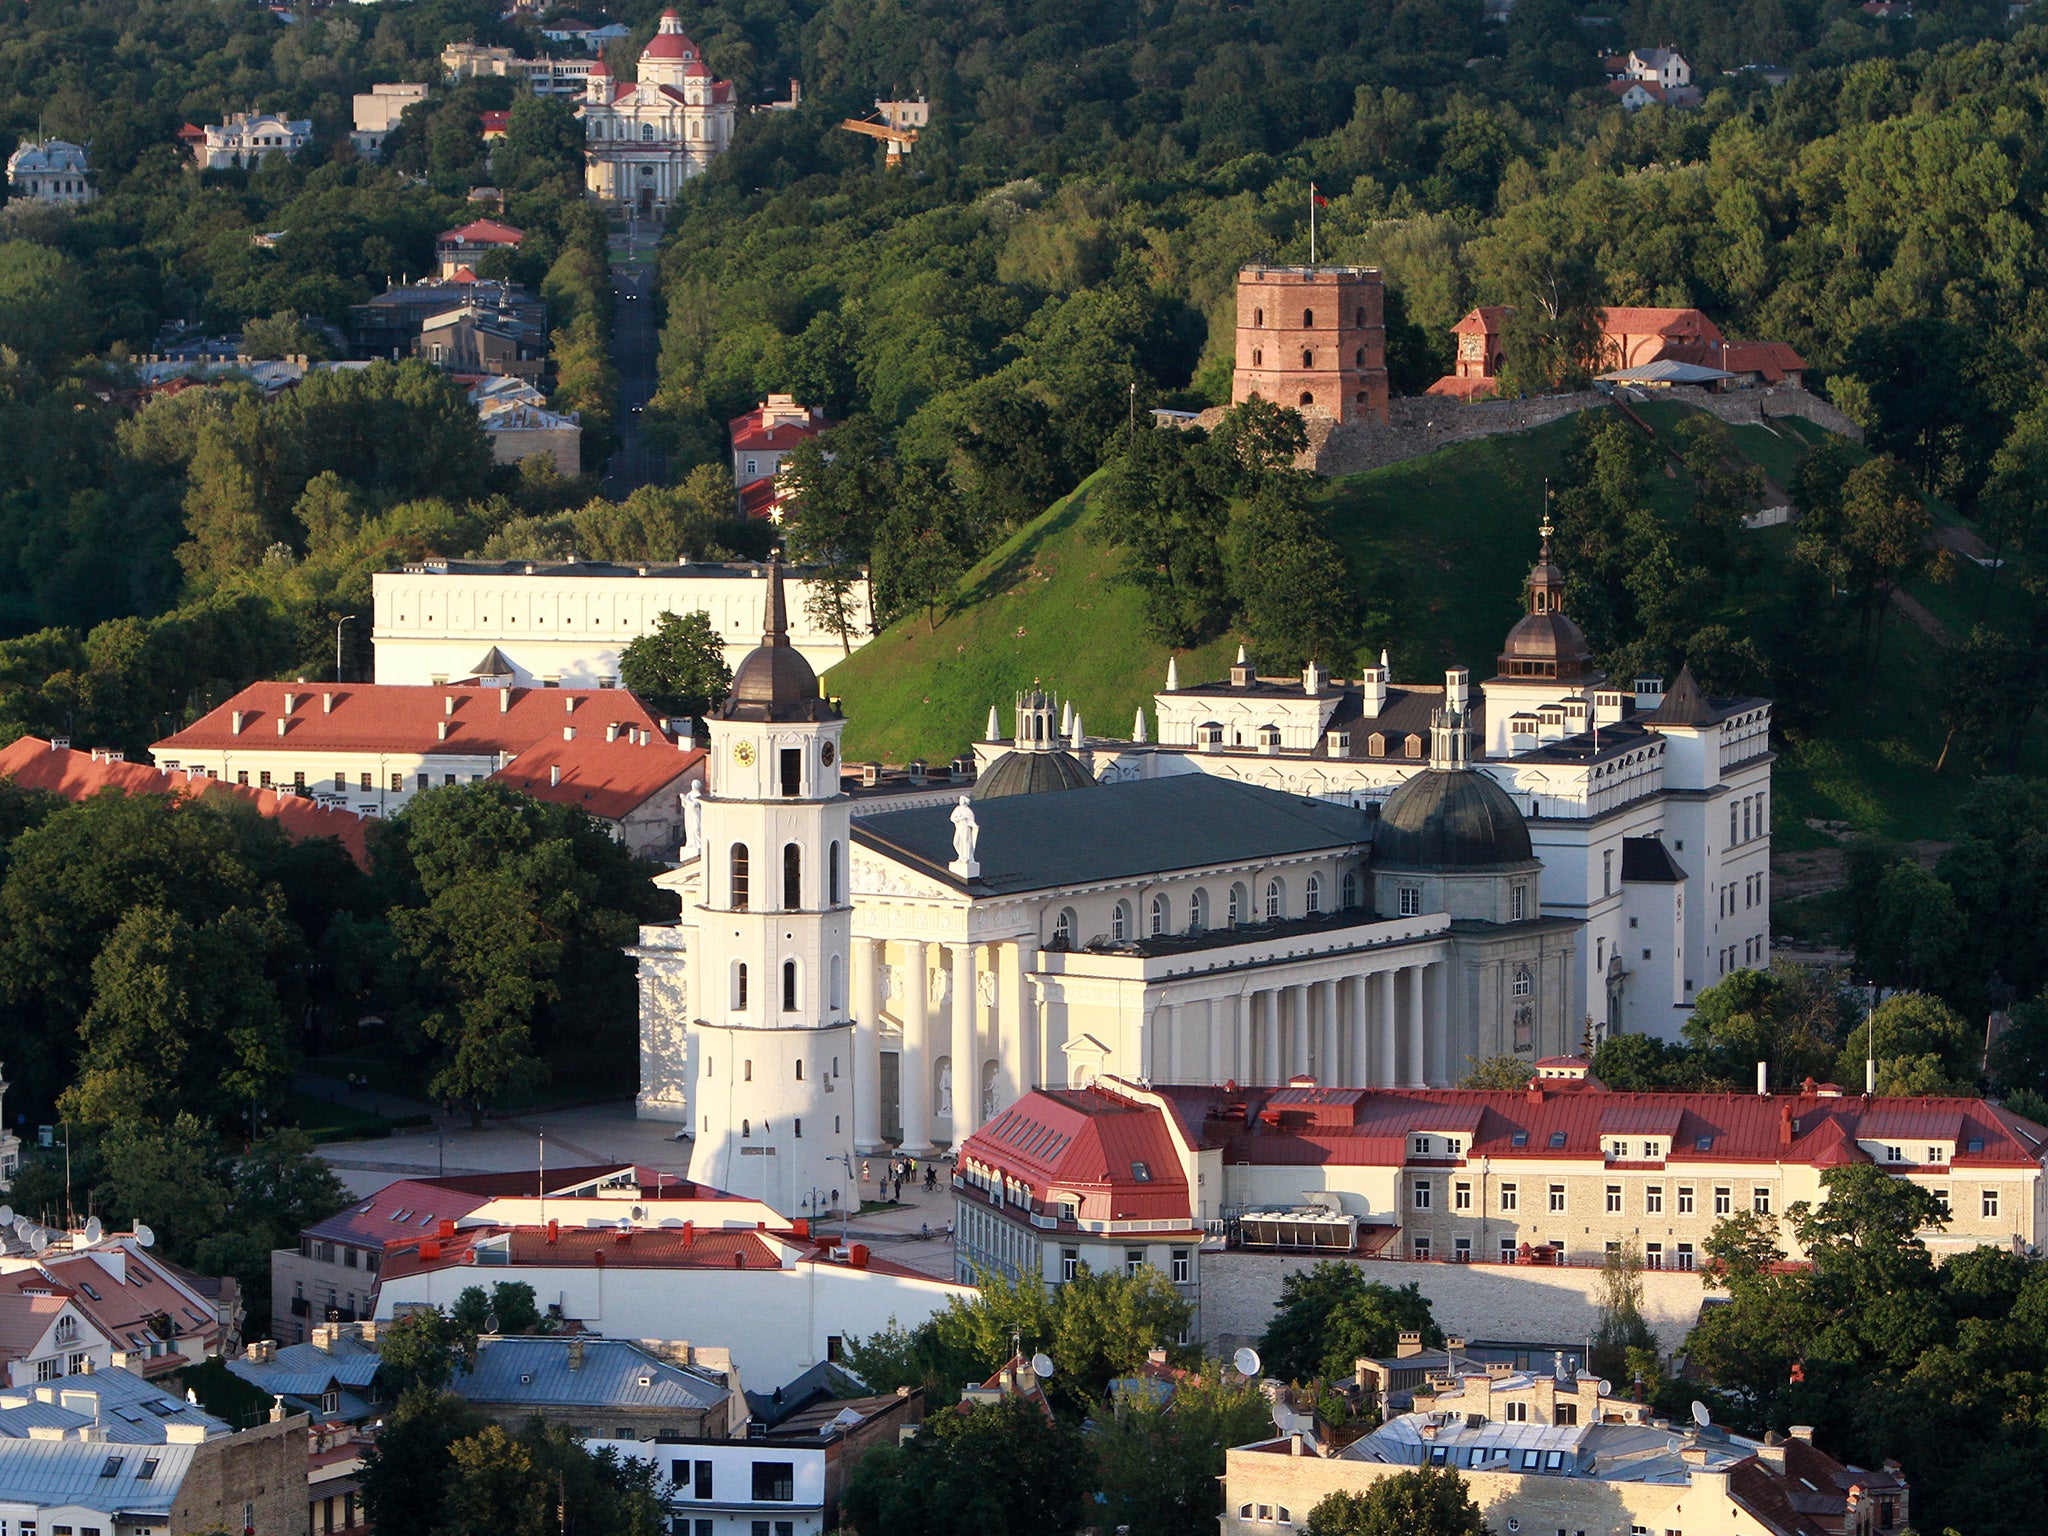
(1530, 1302)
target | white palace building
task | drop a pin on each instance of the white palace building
(1367, 884)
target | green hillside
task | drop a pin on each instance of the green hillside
(1438, 548)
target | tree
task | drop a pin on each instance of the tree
(405, 1473)
(1638, 1064)
(422, 1349)
(679, 666)
(1884, 531)
(1104, 1325)
(1497, 1072)
(1921, 1046)
(508, 1307)
(1429, 1501)
(997, 1469)
(1290, 580)
(1161, 1459)
(1621, 1328)
(542, 142)
(1328, 1315)
(284, 334)
(1161, 505)
(920, 547)
(276, 1190)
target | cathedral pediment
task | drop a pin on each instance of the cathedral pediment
(877, 876)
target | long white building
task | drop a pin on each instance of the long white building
(563, 623)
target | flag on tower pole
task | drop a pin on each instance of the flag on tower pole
(1315, 200)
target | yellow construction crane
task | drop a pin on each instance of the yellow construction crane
(898, 128)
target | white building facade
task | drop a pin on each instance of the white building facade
(644, 140)
(564, 623)
(248, 137)
(49, 171)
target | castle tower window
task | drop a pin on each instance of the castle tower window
(1361, 326)
(838, 1000)
(799, 1069)
(1307, 398)
(739, 877)
(792, 877)
(1258, 358)
(1258, 317)
(1361, 357)
(789, 997)
(1308, 319)
(1308, 358)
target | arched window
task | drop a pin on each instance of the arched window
(1361, 357)
(747, 1070)
(789, 986)
(837, 997)
(1063, 929)
(647, 133)
(1308, 319)
(739, 984)
(746, 1129)
(1120, 921)
(1162, 915)
(1236, 913)
(739, 877)
(1276, 901)
(1349, 888)
(1524, 984)
(1308, 358)
(792, 877)
(1307, 398)
(1258, 317)
(1361, 317)
(1312, 895)
(1258, 357)
(1198, 912)
(799, 1069)
(832, 875)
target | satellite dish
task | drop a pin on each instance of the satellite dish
(625, 1223)
(93, 1230)
(491, 1323)
(144, 1238)
(1042, 1364)
(1247, 1361)
(1700, 1415)
(6, 1215)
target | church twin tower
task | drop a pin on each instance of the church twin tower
(770, 1071)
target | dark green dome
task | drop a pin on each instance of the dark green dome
(1450, 818)
(1032, 773)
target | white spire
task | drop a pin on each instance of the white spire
(1240, 655)
(1066, 716)
(1383, 656)
(1080, 737)
(995, 729)
(1172, 674)
(1138, 732)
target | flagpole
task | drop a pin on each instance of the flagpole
(1311, 223)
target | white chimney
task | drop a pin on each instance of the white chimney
(1372, 687)
(504, 700)
(568, 733)
(291, 702)
(448, 704)
(611, 731)
(282, 725)
(238, 718)
(1763, 1079)
(326, 703)
(569, 704)
(554, 773)
(442, 727)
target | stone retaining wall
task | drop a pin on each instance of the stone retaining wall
(1527, 1302)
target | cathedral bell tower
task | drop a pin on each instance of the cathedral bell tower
(772, 1050)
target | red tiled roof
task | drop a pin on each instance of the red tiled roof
(25, 1319)
(669, 45)
(759, 498)
(588, 1247)
(609, 779)
(1772, 359)
(1091, 1143)
(394, 717)
(482, 232)
(122, 1308)
(496, 122)
(1483, 321)
(1678, 324)
(33, 763)
(1456, 387)
(747, 432)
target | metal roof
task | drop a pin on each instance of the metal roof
(307, 1370)
(613, 1373)
(74, 1473)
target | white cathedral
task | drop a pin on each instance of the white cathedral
(643, 141)
(1367, 883)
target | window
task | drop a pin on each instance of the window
(1418, 1245)
(1461, 1250)
(1614, 1199)
(1181, 1266)
(1990, 1203)
(1411, 900)
(1347, 891)
(1510, 1197)
(1524, 986)
(703, 1481)
(1120, 921)
(1070, 1263)
(1312, 895)
(1760, 1200)
(1722, 1202)
(792, 774)
(1507, 1250)
(1653, 1200)
(1514, 1413)
(832, 875)
(1685, 1256)
(1422, 1187)
(1607, 872)
(1308, 319)
(1518, 903)
(739, 984)
(1308, 358)
(1276, 901)
(1162, 913)
(1565, 1413)
(789, 999)
(1895, 1154)
(739, 877)
(1134, 1260)
(263, 779)
(1238, 903)
(1063, 929)
(1461, 1196)
(774, 1482)
(1258, 319)
(1557, 1197)
(1198, 912)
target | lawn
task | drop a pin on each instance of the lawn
(327, 1120)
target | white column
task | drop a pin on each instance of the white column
(1240, 1058)
(1221, 1011)
(966, 1047)
(1418, 1062)
(1269, 1054)
(1018, 1024)
(915, 1064)
(1358, 1026)
(1387, 1070)
(1330, 1068)
(1166, 1052)
(867, 1055)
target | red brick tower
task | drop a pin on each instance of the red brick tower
(1314, 338)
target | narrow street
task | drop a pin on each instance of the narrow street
(636, 348)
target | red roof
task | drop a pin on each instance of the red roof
(669, 45)
(482, 232)
(463, 275)
(1486, 320)
(747, 432)
(589, 1247)
(411, 1208)
(1454, 386)
(760, 498)
(393, 717)
(1112, 1156)
(1676, 324)
(1772, 359)
(600, 68)
(495, 122)
(33, 763)
(609, 779)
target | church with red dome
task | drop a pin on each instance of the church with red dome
(645, 138)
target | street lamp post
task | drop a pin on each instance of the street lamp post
(338, 620)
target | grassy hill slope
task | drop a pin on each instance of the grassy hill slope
(1438, 548)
